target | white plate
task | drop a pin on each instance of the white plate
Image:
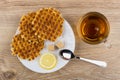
(69, 40)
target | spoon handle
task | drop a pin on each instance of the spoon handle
(98, 63)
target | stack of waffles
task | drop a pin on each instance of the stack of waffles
(35, 28)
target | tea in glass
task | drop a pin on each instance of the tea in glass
(93, 28)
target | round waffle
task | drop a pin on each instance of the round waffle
(34, 28)
(48, 24)
(26, 48)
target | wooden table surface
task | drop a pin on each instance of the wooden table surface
(72, 10)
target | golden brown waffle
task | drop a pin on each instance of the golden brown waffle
(48, 24)
(26, 48)
(34, 28)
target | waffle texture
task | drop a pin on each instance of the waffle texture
(35, 28)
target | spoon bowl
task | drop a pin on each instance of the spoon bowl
(67, 54)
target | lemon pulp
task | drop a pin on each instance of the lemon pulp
(48, 61)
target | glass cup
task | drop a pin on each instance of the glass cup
(94, 28)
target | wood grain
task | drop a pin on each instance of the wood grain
(72, 10)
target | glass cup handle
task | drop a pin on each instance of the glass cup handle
(107, 44)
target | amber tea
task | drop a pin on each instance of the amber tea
(93, 28)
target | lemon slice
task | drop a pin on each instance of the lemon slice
(48, 61)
